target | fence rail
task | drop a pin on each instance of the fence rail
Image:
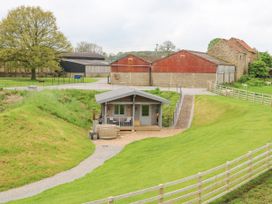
(246, 95)
(203, 187)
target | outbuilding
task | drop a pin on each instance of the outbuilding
(131, 70)
(188, 68)
(86, 64)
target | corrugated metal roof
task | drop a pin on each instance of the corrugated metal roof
(209, 57)
(83, 55)
(123, 92)
(88, 62)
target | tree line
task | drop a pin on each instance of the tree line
(30, 39)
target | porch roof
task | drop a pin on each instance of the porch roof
(124, 92)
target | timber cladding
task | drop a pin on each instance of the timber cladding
(184, 62)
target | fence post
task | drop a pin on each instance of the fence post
(249, 156)
(161, 192)
(227, 175)
(268, 155)
(110, 200)
(199, 178)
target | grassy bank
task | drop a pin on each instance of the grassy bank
(222, 130)
(43, 133)
(23, 81)
(258, 191)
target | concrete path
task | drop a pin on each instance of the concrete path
(101, 154)
(186, 112)
(101, 84)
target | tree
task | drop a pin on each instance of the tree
(213, 42)
(89, 47)
(29, 38)
(258, 68)
(167, 46)
(265, 57)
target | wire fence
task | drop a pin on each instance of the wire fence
(203, 187)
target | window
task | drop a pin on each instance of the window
(119, 110)
(145, 110)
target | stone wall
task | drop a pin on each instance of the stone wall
(130, 78)
(225, 52)
(197, 80)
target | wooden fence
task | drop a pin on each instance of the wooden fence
(203, 187)
(242, 94)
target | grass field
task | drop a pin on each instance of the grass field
(258, 191)
(255, 85)
(43, 133)
(222, 130)
(25, 81)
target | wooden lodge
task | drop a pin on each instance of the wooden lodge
(131, 109)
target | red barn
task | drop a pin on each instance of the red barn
(131, 70)
(183, 68)
(190, 69)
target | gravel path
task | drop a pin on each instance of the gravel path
(101, 84)
(105, 149)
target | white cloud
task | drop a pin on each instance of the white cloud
(121, 25)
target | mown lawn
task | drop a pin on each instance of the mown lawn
(222, 130)
(25, 81)
(43, 133)
(258, 191)
(255, 85)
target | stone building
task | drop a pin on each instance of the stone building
(234, 51)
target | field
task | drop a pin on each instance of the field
(255, 85)
(222, 130)
(25, 81)
(42, 133)
(258, 191)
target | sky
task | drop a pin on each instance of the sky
(132, 25)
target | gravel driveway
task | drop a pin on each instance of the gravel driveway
(101, 84)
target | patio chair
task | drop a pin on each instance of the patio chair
(112, 121)
(127, 121)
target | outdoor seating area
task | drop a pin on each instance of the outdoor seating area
(120, 121)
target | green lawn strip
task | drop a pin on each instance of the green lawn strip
(257, 191)
(222, 130)
(23, 81)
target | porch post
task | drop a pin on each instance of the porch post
(133, 112)
(105, 114)
(160, 119)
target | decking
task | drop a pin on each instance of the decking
(141, 128)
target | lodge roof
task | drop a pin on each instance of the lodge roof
(124, 92)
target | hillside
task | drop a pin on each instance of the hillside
(42, 133)
(222, 130)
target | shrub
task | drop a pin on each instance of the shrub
(259, 69)
(244, 78)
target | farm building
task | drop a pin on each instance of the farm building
(133, 70)
(184, 68)
(131, 109)
(86, 64)
(191, 69)
(235, 51)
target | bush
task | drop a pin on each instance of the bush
(244, 78)
(259, 69)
